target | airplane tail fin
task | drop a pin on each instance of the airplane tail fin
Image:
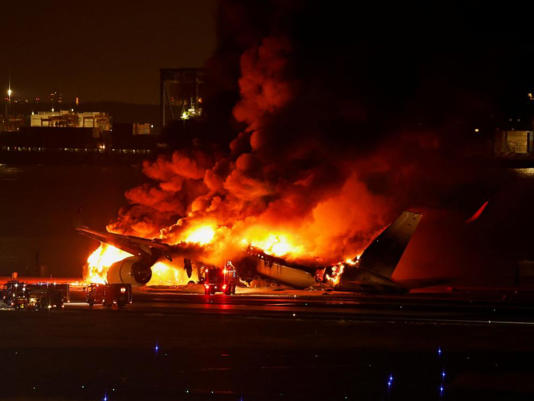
(383, 254)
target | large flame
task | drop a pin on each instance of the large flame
(275, 244)
(337, 271)
(164, 273)
(290, 191)
(217, 242)
(99, 262)
(201, 235)
(291, 195)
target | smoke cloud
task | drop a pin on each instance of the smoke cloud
(335, 132)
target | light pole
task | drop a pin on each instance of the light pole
(9, 93)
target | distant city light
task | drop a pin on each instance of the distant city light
(9, 92)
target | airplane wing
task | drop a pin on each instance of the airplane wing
(135, 245)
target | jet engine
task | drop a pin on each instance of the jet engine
(133, 270)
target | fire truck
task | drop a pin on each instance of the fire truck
(41, 296)
(109, 294)
(14, 294)
(220, 280)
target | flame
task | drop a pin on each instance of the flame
(309, 201)
(352, 261)
(337, 272)
(201, 235)
(164, 273)
(99, 262)
(275, 244)
(338, 269)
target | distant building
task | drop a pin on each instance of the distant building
(181, 92)
(514, 143)
(70, 119)
(141, 128)
(12, 123)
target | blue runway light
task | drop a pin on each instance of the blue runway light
(440, 351)
(390, 381)
(156, 348)
(443, 374)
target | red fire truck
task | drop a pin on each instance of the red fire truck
(220, 280)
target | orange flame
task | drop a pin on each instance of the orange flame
(164, 273)
(99, 262)
(219, 243)
(337, 271)
(275, 244)
(201, 235)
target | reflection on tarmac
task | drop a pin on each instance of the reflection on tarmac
(478, 308)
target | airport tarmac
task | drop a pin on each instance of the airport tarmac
(481, 307)
(170, 344)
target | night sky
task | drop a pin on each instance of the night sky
(102, 50)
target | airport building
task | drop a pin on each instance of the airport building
(142, 128)
(514, 143)
(69, 119)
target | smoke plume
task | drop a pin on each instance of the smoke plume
(334, 134)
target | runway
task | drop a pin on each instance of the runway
(172, 345)
(440, 308)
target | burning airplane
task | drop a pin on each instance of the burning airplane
(129, 259)
(294, 196)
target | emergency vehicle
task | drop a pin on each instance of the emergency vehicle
(220, 280)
